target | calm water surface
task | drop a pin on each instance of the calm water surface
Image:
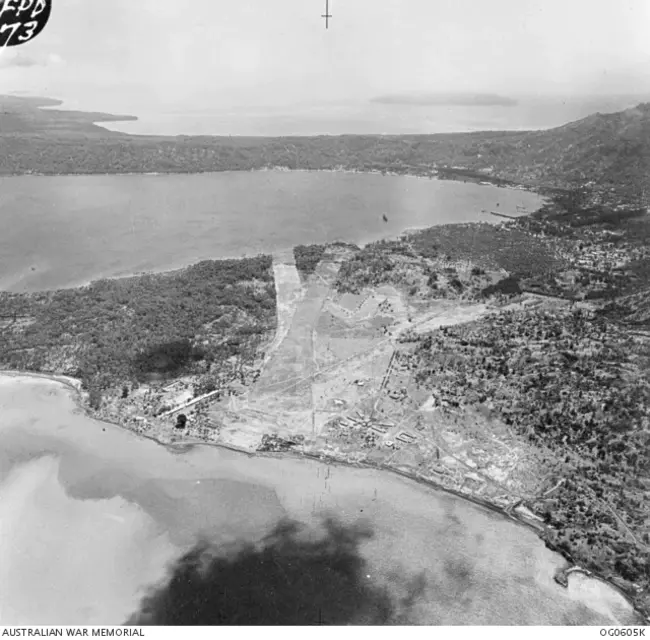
(92, 518)
(65, 231)
(356, 117)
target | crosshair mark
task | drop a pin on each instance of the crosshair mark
(327, 15)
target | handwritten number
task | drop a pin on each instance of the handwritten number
(14, 27)
(30, 27)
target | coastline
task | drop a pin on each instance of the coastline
(278, 168)
(561, 577)
(434, 174)
(178, 268)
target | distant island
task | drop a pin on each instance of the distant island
(447, 99)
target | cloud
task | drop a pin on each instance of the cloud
(287, 579)
(17, 59)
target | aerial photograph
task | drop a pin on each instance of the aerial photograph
(324, 312)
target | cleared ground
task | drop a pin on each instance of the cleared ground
(337, 374)
(332, 362)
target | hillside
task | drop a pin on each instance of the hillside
(610, 151)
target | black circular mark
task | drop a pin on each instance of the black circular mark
(22, 20)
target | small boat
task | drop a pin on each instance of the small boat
(385, 218)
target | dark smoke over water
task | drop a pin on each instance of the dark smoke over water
(287, 579)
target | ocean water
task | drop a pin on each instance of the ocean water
(63, 231)
(94, 519)
(368, 117)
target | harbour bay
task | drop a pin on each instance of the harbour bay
(63, 231)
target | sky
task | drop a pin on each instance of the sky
(185, 54)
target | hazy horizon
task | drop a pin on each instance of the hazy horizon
(363, 117)
(156, 55)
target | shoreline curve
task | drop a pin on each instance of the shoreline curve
(561, 577)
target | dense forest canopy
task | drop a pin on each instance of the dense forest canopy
(131, 328)
(611, 151)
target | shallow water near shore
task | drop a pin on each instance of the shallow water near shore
(63, 231)
(93, 517)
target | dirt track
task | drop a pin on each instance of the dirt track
(324, 346)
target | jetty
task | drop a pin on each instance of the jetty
(503, 215)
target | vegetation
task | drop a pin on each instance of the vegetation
(307, 257)
(611, 151)
(369, 267)
(274, 442)
(489, 247)
(573, 381)
(507, 286)
(429, 255)
(577, 386)
(142, 328)
(568, 249)
(167, 358)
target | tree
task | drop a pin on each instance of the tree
(181, 421)
(95, 398)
